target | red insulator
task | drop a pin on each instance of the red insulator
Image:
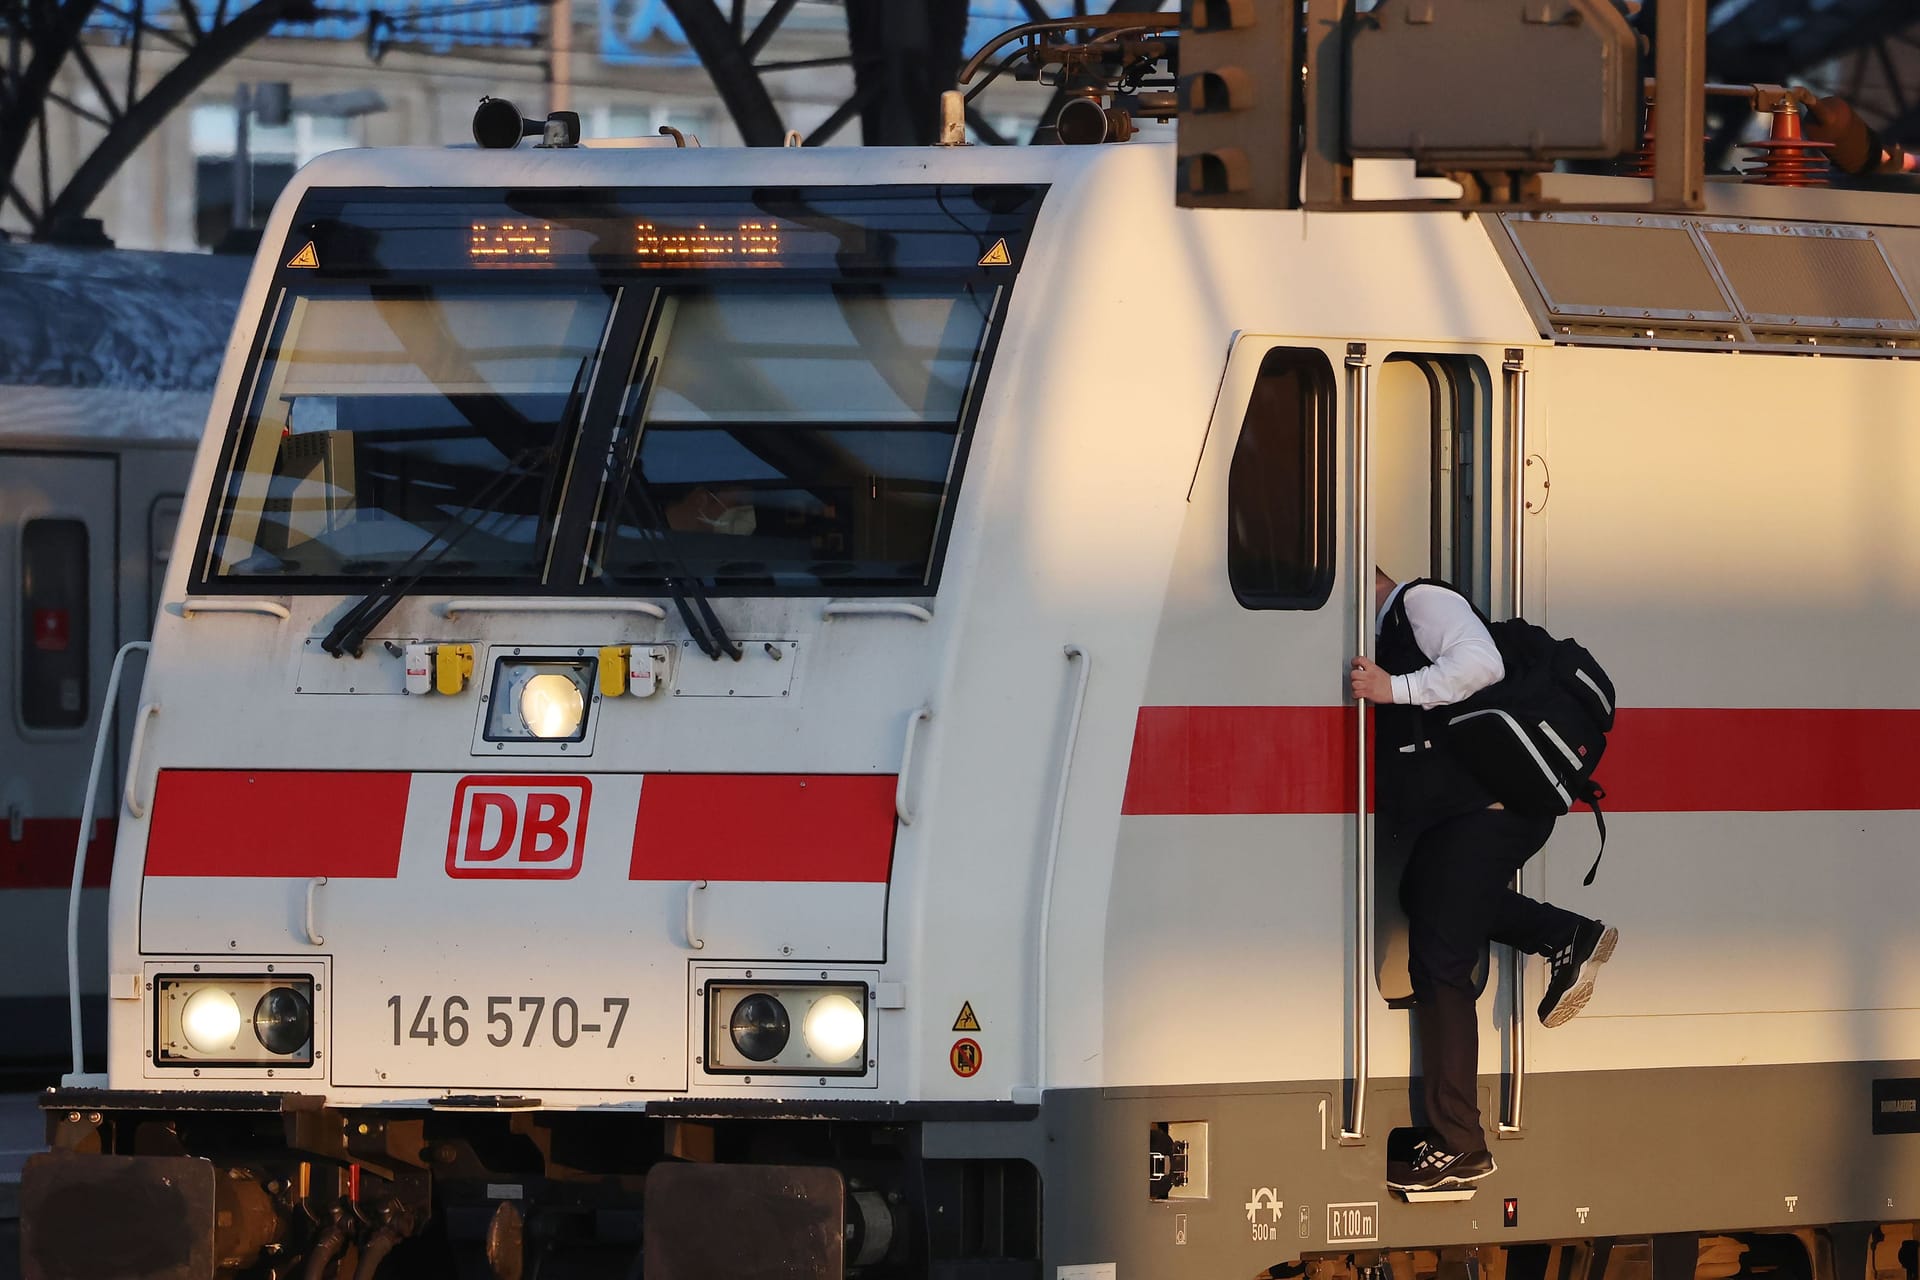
(1640, 164)
(1786, 158)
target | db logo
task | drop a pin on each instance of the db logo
(518, 828)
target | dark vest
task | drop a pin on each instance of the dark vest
(1417, 782)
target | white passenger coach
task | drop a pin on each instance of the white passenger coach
(107, 364)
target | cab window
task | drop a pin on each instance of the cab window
(793, 436)
(394, 420)
(1280, 499)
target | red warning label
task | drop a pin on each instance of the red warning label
(965, 1057)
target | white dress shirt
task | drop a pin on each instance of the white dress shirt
(1445, 626)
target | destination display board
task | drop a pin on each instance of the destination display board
(839, 230)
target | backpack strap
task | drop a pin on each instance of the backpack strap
(1592, 793)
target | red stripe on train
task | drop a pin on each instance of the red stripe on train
(781, 827)
(42, 858)
(1204, 760)
(218, 822)
(1190, 760)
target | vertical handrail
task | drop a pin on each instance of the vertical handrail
(694, 941)
(1514, 375)
(902, 806)
(1514, 378)
(80, 846)
(314, 936)
(135, 802)
(1074, 653)
(1354, 1126)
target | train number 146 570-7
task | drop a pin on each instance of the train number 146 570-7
(506, 1021)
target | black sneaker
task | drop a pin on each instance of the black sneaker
(1572, 969)
(1432, 1169)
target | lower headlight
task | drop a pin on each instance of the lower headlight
(210, 1020)
(233, 1020)
(750, 1028)
(835, 1029)
(283, 1020)
(759, 1027)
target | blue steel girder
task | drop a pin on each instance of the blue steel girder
(43, 35)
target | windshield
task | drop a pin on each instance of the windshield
(385, 415)
(586, 392)
(794, 436)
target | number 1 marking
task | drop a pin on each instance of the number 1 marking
(1323, 1124)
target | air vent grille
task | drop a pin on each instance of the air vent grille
(1653, 280)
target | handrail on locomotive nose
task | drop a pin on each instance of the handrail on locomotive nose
(80, 848)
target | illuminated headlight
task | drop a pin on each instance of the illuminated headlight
(540, 700)
(233, 1020)
(835, 1029)
(210, 1021)
(749, 1028)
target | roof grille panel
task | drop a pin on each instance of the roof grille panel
(1807, 277)
(1661, 280)
(1615, 266)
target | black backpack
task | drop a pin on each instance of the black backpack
(1535, 738)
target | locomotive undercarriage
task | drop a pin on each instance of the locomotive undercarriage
(268, 1187)
(1846, 1251)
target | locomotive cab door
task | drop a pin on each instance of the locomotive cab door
(1432, 447)
(1441, 435)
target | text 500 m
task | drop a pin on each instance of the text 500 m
(507, 1021)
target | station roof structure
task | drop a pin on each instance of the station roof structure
(1866, 50)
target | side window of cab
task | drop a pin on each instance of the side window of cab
(1280, 495)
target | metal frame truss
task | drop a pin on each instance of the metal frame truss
(43, 35)
(1879, 79)
(903, 54)
(728, 50)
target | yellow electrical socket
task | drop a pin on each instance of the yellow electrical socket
(613, 669)
(452, 667)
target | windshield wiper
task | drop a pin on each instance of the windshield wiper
(351, 631)
(683, 586)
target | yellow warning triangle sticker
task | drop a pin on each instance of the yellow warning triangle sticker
(307, 257)
(998, 255)
(966, 1021)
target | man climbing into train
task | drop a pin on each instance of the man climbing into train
(1463, 850)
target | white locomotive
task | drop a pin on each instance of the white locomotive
(783, 712)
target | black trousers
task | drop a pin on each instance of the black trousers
(1457, 896)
